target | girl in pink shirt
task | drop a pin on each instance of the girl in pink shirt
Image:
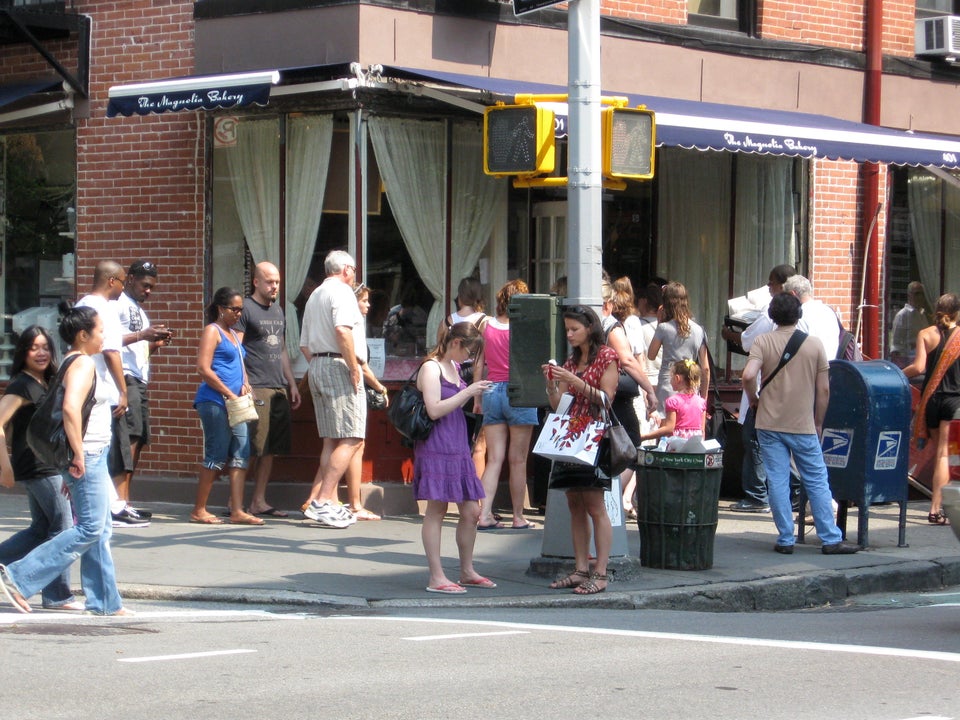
(686, 410)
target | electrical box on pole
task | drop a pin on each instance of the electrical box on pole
(518, 140)
(629, 139)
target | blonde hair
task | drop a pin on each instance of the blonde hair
(689, 370)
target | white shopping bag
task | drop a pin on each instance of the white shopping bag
(570, 439)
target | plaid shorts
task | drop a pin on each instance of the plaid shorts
(339, 405)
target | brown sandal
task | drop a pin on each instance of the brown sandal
(937, 518)
(590, 587)
(573, 580)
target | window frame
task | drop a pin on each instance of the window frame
(745, 21)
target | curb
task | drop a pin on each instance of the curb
(787, 592)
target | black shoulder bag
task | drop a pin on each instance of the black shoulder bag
(627, 387)
(408, 413)
(45, 433)
(720, 418)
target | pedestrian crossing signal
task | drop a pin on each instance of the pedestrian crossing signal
(518, 140)
(629, 139)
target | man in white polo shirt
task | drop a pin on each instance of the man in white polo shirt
(330, 319)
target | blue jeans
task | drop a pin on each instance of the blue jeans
(50, 514)
(88, 540)
(777, 447)
(753, 476)
(222, 444)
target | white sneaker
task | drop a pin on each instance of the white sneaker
(328, 515)
(345, 513)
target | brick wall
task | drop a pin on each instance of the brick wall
(663, 11)
(836, 257)
(819, 22)
(141, 195)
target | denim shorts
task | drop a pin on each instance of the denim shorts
(222, 445)
(497, 409)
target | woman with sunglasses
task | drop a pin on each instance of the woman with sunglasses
(220, 364)
(591, 369)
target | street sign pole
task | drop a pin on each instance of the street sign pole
(585, 184)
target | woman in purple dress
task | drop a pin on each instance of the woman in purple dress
(443, 469)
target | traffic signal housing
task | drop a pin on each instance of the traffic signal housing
(518, 140)
(629, 139)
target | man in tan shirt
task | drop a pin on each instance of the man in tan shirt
(789, 422)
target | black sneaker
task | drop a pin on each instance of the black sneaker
(145, 514)
(129, 518)
(748, 506)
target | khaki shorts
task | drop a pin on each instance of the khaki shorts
(271, 434)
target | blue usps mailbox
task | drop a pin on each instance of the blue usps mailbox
(866, 438)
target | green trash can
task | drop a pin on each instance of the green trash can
(677, 499)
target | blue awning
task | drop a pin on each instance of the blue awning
(198, 92)
(713, 126)
(13, 92)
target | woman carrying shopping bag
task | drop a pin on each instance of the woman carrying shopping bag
(589, 373)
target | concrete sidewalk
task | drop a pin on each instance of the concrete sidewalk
(381, 564)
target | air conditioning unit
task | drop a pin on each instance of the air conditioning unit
(939, 37)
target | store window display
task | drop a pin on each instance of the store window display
(37, 225)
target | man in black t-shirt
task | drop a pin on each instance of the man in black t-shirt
(262, 329)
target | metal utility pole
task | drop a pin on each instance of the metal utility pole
(585, 188)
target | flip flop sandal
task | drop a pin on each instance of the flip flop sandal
(481, 582)
(272, 512)
(13, 595)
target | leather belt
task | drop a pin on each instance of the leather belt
(328, 354)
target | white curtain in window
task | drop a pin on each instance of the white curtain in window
(694, 230)
(951, 269)
(478, 200)
(308, 159)
(764, 234)
(254, 164)
(924, 198)
(412, 159)
(411, 155)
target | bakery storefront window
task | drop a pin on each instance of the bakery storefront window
(37, 225)
(404, 261)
